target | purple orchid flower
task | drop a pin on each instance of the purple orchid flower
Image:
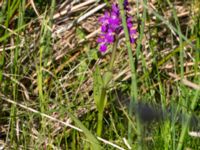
(111, 26)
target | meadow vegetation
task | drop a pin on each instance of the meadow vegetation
(58, 91)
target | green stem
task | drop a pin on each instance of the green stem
(99, 125)
(133, 77)
(107, 78)
(113, 55)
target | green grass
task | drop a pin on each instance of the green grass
(59, 93)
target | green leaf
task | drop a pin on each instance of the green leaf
(107, 77)
(92, 54)
(98, 85)
(91, 138)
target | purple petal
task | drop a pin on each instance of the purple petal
(107, 14)
(103, 47)
(129, 25)
(125, 2)
(129, 20)
(132, 31)
(114, 20)
(110, 38)
(104, 28)
(126, 5)
(101, 19)
(132, 40)
(115, 8)
(100, 40)
(104, 19)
